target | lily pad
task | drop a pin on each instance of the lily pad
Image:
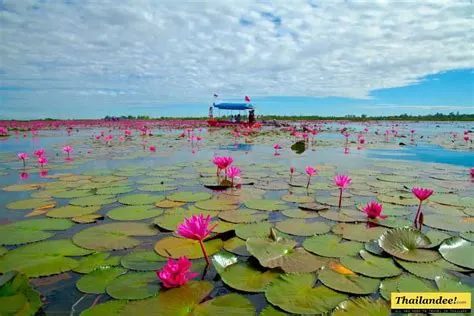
(134, 286)
(158, 187)
(407, 244)
(297, 198)
(177, 247)
(331, 246)
(371, 266)
(71, 194)
(430, 270)
(112, 236)
(140, 199)
(134, 212)
(96, 260)
(458, 251)
(26, 231)
(95, 200)
(143, 261)
(297, 213)
(69, 211)
(236, 246)
(109, 308)
(266, 205)
(269, 252)
(87, 219)
(17, 297)
(243, 216)
(96, 281)
(28, 204)
(348, 283)
(358, 232)
(272, 311)
(245, 231)
(410, 283)
(363, 306)
(295, 293)
(172, 218)
(216, 205)
(300, 227)
(450, 223)
(186, 196)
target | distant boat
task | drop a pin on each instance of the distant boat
(215, 122)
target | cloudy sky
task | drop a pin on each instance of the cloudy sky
(86, 59)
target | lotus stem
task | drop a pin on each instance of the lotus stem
(417, 215)
(204, 251)
(309, 182)
(340, 197)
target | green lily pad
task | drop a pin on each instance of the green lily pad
(112, 236)
(297, 198)
(243, 216)
(269, 252)
(458, 251)
(236, 246)
(410, 283)
(109, 308)
(394, 178)
(176, 301)
(430, 270)
(28, 204)
(450, 223)
(244, 277)
(266, 205)
(407, 244)
(72, 194)
(338, 216)
(334, 201)
(171, 219)
(140, 199)
(42, 258)
(467, 235)
(297, 213)
(245, 231)
(177, 247)
(4, 250)
(371, 266)
(363, 306)
(134, 212)
(451, 285)
(134, 286)
(274, 185)
(96, 281)
(26, 231)
(70, 211)
(397, 200)
(436, 237)
(216, 205)
(186, 196)
(158, 187)
(233, 303)
(271, 311)
(348, 283)
(389, 286)
(114, 190)
(301, 227)
(143, 261)
(295, 293)
(17, 297)
(96, 260)
(358, 232)
(331, 246)
(95, 200)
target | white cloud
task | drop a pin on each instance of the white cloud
(76, 53)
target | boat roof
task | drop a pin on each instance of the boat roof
(234, 106)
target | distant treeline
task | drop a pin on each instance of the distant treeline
(402, 117)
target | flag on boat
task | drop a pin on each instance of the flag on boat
(247, 99)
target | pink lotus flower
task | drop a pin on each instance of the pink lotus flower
(24, 176)
(222, 162)
(43, 173)
(373, 209)
(42, 161)
(23, 157)
(176, 273)
(232, 172)
(292, 171)
(196, 228)
(67, 149)
(361, 140)
(472, 172)
(466, 138)
(276, 146)
(310, 171)
(421, 194)
(153, 148)
(342, 181)
(39, 152)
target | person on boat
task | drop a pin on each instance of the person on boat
(251, 117)
(211, 112)
(239, 117)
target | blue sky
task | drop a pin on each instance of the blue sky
(88, 59)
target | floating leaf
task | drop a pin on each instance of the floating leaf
(297, 198)
(363, 306)
(27, 204)
(26, 231)
(236, 246)
(458, 251)
(266, 205)
(172, 218)
(134, 212)
(348, 283)
(245, 231)
(300, 227)
(271, 311)
(158, 187)
(216, 205)
(112, 236)
(4, 250)
(388, 286)
(338, 216)
(410, 283)
(134, 286)
(358, 232)
(87, 219)
(334, 201)
(140, 199)
(69, 211)
(371, 266)
(94, 261)
(244, 277)
(430, 270)
(407, 244)
(186, 196)
(95, 200)
(436, 237)
(331, 246)
(268, 251)
(17, 297)
(294, 293)
(177, 247)
(450, 285)
(297, 213)
(143, 261)
(169, 204)
(451, 223)
(243, 216)
(96, 281)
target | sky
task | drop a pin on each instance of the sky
(89, 59)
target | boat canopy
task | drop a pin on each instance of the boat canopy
(234, 106)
